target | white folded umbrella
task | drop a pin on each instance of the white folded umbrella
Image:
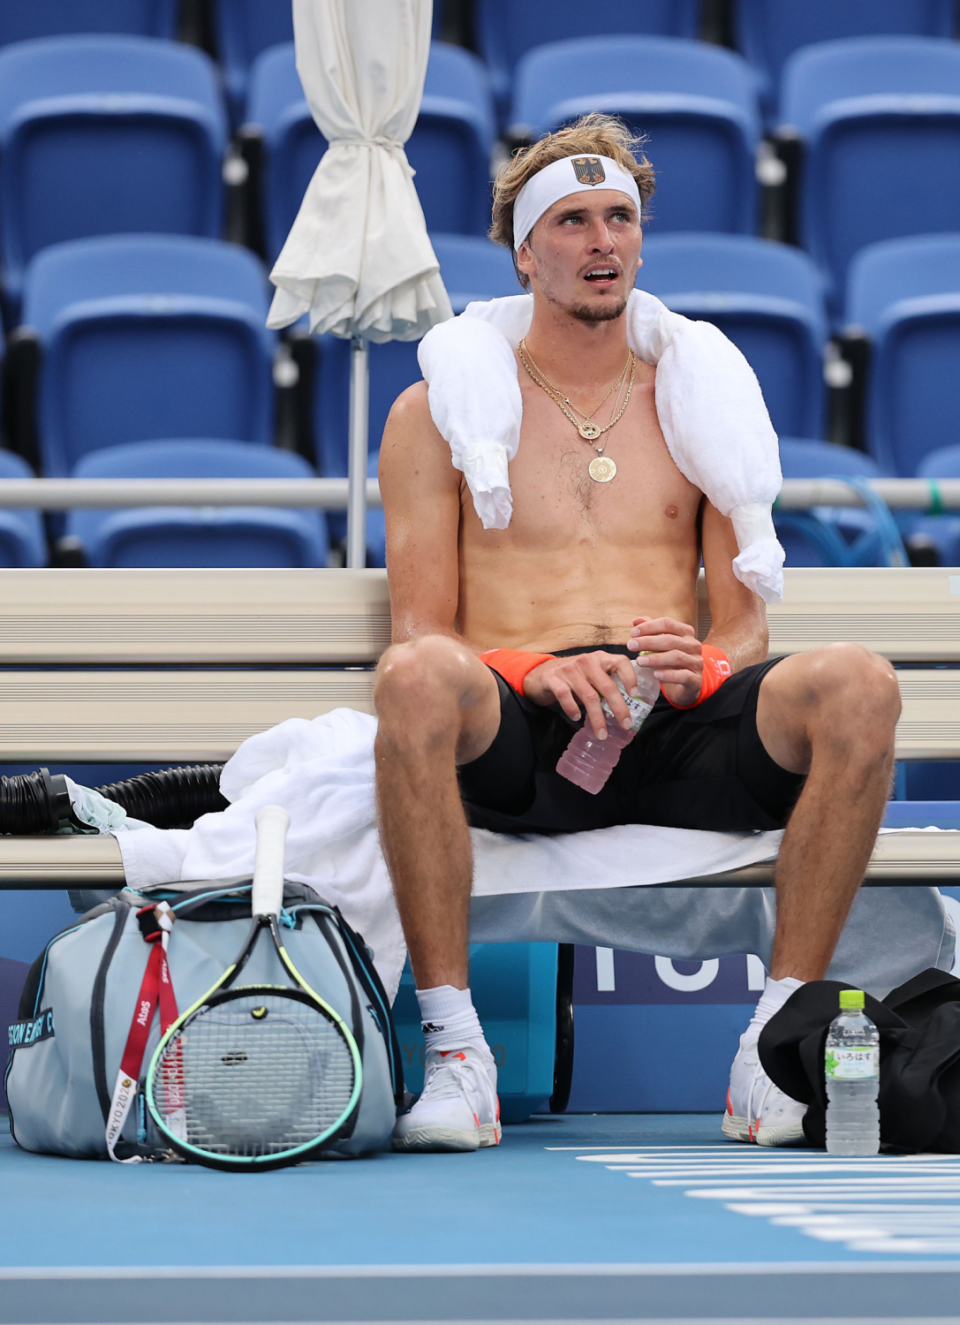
(358, 259)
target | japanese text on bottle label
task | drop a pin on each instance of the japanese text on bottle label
(854, 1064)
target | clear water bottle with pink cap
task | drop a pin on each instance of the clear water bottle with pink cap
(588, 761)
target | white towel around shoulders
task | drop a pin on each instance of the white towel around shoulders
(709, 403)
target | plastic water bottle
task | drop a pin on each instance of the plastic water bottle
(852, 1070)
(588, 761)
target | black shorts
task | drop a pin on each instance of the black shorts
(704, 767)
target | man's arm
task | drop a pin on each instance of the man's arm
(421, 502)
(738, 621)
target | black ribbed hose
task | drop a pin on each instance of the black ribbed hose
(172, 798)
(32, 803)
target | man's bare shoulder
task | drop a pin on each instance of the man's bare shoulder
(411, 411)
(412, 444)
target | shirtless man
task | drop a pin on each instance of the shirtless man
(591, 573)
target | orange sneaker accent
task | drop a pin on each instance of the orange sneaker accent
(729, 1105)
(445, 1053)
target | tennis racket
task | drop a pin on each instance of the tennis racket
(256, 1076)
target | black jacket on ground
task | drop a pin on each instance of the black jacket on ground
(919, 1025)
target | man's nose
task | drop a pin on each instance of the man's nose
(600, 238)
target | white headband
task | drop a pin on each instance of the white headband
(572, 174)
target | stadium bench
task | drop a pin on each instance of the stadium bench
(154, 665)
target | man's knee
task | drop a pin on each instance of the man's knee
(422, 680)
(852, 694)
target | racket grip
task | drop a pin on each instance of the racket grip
(267, 893)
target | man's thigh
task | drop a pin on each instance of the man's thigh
(707, 767)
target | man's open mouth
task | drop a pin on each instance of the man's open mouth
(601, 275)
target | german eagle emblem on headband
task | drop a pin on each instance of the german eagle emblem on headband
(588, 169)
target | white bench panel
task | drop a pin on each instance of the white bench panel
(193, 616)
(165, 716)
(204, 715)
(908, 615)
(73, 862)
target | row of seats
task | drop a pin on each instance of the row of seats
(174, 536)
(847, 108)
(766, 32)
(125, 134)
(164, 336)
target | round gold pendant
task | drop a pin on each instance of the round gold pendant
(588, 430)
(602, 469)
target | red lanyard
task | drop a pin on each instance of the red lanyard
(155, 990)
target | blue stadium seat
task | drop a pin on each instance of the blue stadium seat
(880, 121)
(183, 536)
(768, 31)
(147, 336)
(828, 536)
(23, 20)
(245, 29)
(105, 135)
(767, 297)
(472, 269)
(507, 29)
(905, 294)
(22, 540)
(943, 531)
(449, 147)
(696, 103)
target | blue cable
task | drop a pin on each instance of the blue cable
(834, 550)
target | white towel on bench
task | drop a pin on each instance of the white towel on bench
(709, 403)
(322, 773)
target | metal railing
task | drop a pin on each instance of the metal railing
(930, 496)
(64, 494)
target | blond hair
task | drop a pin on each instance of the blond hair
(591, 135)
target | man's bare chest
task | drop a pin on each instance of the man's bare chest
(556, 495)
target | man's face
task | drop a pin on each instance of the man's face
(584, 253)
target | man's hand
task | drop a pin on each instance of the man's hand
(674, 656)
(581, 682)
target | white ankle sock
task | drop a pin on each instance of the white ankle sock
(775, 994)
(450, 1020)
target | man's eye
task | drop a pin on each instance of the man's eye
(620, 216)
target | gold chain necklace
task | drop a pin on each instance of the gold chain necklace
(601, 468)
(554, 390)
(588, 430)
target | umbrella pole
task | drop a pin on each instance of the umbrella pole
(358, 452)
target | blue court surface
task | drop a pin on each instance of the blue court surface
(574, 1218)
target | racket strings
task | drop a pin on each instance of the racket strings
(257, 1075)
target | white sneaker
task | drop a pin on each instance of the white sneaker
(458, 1108)
(757, 1110)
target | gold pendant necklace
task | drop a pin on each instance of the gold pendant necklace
(602, 469)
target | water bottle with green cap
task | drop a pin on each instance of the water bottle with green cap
(852, 1071)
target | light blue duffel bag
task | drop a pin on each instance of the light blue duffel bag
(82, 994)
